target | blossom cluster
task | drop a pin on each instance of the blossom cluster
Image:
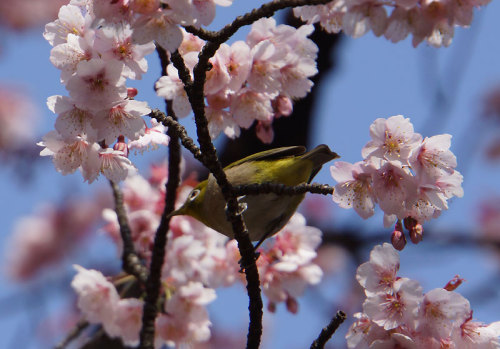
(97, 45)
(25, 14)
(410, 178)
(431, 20)
(396, 313)
(198, 260)
(18, 115)
(250, 81)
(48, 236)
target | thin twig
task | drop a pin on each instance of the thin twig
(282, 189)
(186, 141)
(131, 262)
(73, 334)
(266, 10)
(153, 284)
(181, 67)
(328, 331)
(233, 212)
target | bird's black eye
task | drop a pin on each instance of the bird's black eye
(194, 193)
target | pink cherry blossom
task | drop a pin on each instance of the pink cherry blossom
(358, 20)
(190, 43)
(392, 185)
(396, 340)
(218, 76)
(144, 7)
(67, 157)
(363, 332)
(66, 56)
(97, 297)
(111, 11)
(392, 139)
(433, 156)
(221, 121)
(440, 311)
(286, 266)
(354, 188)
(97, 84)
(390, 310)
(330, 15)
(398, 25)
(71, 121)
(114, 165)
(70, 20)
(48, 235)
(238, 64)
(153, 137)
(247, 106)
(27, 14)
(186, 318)
(114, 41)
(267, 62)
(476, 335)
(127, 321)
(171, 88)
(122, 118)
(379, 274)
(159, 27)
(18, 118)
(399, 315)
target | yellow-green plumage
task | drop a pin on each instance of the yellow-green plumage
(266, 214)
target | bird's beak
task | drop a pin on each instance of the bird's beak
(180, 211)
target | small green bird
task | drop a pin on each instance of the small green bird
(265, 214)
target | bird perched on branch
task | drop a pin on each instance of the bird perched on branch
(264, 214)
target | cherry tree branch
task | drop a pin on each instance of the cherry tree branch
(282, 189)
(181, 67)
(186, 141)
(153, 284)
(73, 334)
(195, 92)
(266, 10)
(328, 331)
(233, 212)
(130, 260)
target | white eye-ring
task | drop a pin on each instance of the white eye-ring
(194, 194)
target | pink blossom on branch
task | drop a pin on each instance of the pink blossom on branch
(430, 20)
(249, 82)
(18, 118)
(46, 237)
(409, 177)
(399, 315)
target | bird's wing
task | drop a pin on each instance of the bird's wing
(272, 154)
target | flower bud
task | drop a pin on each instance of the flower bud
(131, 92)
(291, 305)
(271, 307)
(398, 240)
(453, 284)
(121, 146)
(417, 233)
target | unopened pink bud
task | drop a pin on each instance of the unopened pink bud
(271, 307)
(131, 92)
(291, 305)
(453, 284)
(409, 223)
(398, 240)
(283, 106)
(417, 233)
(121, 146)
